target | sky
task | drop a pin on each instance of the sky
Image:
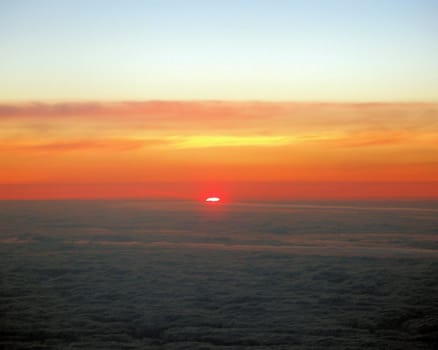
(341, 50)
(246, 99)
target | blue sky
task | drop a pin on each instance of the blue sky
(232, 50)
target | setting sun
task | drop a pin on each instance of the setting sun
(212, 199)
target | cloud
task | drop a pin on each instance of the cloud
(196, 124)
(126, 145)
(369, 139)
(232, 141)
(253, 116)
(118, 145)
(123, 274)
(38, 109)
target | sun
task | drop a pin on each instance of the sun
(212, 199)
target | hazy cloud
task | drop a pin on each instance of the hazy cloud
(114, 145)
(305, 121)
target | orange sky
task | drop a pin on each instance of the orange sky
(242, 150)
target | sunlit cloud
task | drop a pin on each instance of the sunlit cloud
(108, 145)
(232, 141)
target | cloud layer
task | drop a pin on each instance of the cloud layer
(178, 275)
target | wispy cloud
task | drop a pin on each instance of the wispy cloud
(113, 145)
(220, 123)
(369, 139)
(232, 141)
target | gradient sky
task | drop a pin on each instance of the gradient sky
(340, 50)
(237, 149)
(244, 99)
